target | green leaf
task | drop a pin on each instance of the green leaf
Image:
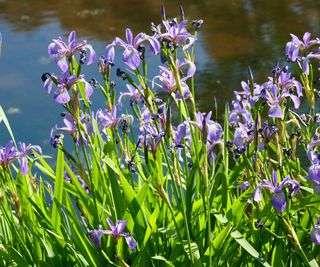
(160, 258)
(238, 237)
(58, 191)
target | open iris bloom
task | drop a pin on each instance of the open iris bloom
(177, 34)
(168, 80)
(109, 119)
(8, 154)
(279, 201)
(133, 50)
(23, 153)
(315, 232)
(116, 231)
(62, 51)
(64, 84)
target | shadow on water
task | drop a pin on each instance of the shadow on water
(235, 35)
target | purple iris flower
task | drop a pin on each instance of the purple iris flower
(244, 186)
(151, 137)
(8, 154)
(274, 98)
(71, 128)
(266, 132)
(214, 137)
(64, 83)
(315, 232)
(109, 119)
(132, 48)
(243, 136)
(295, 46)
(62, 52)
(211, 131)
(182, 132)
(23, 153)
(133, 93)
(177, 34)
(299, 50)
(116, 231)
(314, 169)
(279, 201)
(241, 109)
(168, 81)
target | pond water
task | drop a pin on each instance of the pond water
(236, 34)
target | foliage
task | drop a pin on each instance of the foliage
(163, 184)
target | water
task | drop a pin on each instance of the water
(236, 34)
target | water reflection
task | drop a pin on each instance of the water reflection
(236, 34)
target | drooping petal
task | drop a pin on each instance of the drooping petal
(131, 57)
(154, 45)
(88, 89)
(63, 64)
(24, 165)
(314, 173)
(279, 201)
(92, 55)
(295, 100)
(131, 242)
(315, 236)
(109, 53)
(62, 96)
(275, 111)
(257, 194)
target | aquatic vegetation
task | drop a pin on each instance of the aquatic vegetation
(149, 179)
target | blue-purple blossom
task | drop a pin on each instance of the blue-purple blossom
(132, 48)
(244, 186)
(64, 84)
(297, 46)
(62, 51)
(279, 200)
(8, 154)
(151, 137)
(177, 34)
(109, 119)
(315, 232)
(274, 98)
(211, 131)
(241, 110)
(133, 93)
(243, 136)
(168, 81)
(314, 169)
(70, 127)
(116, 231)
(23, 153)
(300, 50)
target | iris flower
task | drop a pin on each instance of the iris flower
(64, 83)
(8, 154)
(116, 231)
(315, 233)
(23, 152)
(279, 201)
(168, 81)
(109, 119)
(62, 51)
(131, 54)
(178, 34)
